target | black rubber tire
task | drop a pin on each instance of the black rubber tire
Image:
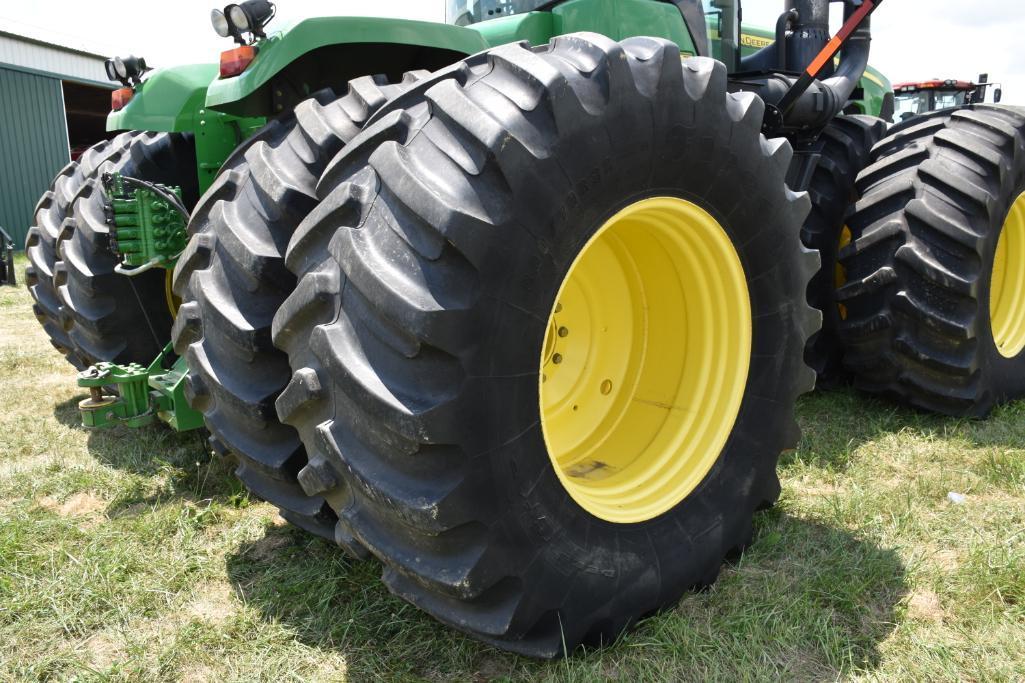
(41, 242)
(109, 316)
(925, 234)
(426, 275)
(845, 146)
(232, 278)
(54, 221)
(90, 313)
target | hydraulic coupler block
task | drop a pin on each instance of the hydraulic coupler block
(146, 223)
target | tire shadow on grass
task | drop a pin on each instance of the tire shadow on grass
(835, 422)
(805, 601)
(181, 463)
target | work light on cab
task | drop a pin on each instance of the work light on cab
(128, 72)
(247, 17)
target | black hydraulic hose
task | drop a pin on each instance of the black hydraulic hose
(166, 195)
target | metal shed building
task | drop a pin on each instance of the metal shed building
(53, 102)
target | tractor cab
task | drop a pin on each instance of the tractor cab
(912, 99)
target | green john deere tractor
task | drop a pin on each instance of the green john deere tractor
(527, 324)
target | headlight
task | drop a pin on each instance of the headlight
(245, 17)
(238, 17)
(220, 23)
(135, 67)
(126, 70)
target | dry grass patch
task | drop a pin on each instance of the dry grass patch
(924, 605)
(214, 602)
(79, 505)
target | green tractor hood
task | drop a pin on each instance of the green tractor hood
(167, 101)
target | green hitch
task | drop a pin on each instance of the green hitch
(129, 406)
(140, 395)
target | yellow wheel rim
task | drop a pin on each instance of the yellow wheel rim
(645, 360)
(173, 302)
(1007, 284)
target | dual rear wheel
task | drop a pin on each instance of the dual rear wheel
(543, 361)
(90, 312)
(935, 270)
(511, 357)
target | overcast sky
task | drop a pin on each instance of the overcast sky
(913, 40)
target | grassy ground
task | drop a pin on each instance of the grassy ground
(130, 555)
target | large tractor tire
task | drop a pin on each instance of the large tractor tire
(935, 275)
(548, 336)
(232, 278)
(845, 147)
(91, 313)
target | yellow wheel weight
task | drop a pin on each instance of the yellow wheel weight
(645, 360)
(1007, 284)
(173, 302)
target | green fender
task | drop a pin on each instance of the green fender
(167, 101)
(284, 48)
(617, 19)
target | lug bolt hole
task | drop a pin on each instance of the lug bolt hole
(563, 331)
(557, 358)
(606, 387)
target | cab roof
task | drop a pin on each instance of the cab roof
(934, 84)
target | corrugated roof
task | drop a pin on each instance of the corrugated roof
(38, 56)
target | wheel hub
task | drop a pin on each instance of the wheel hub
(645, 360)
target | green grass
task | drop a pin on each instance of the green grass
(131, 555)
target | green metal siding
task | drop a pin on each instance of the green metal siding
(33, 145)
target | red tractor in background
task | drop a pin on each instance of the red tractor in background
(914, 98)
